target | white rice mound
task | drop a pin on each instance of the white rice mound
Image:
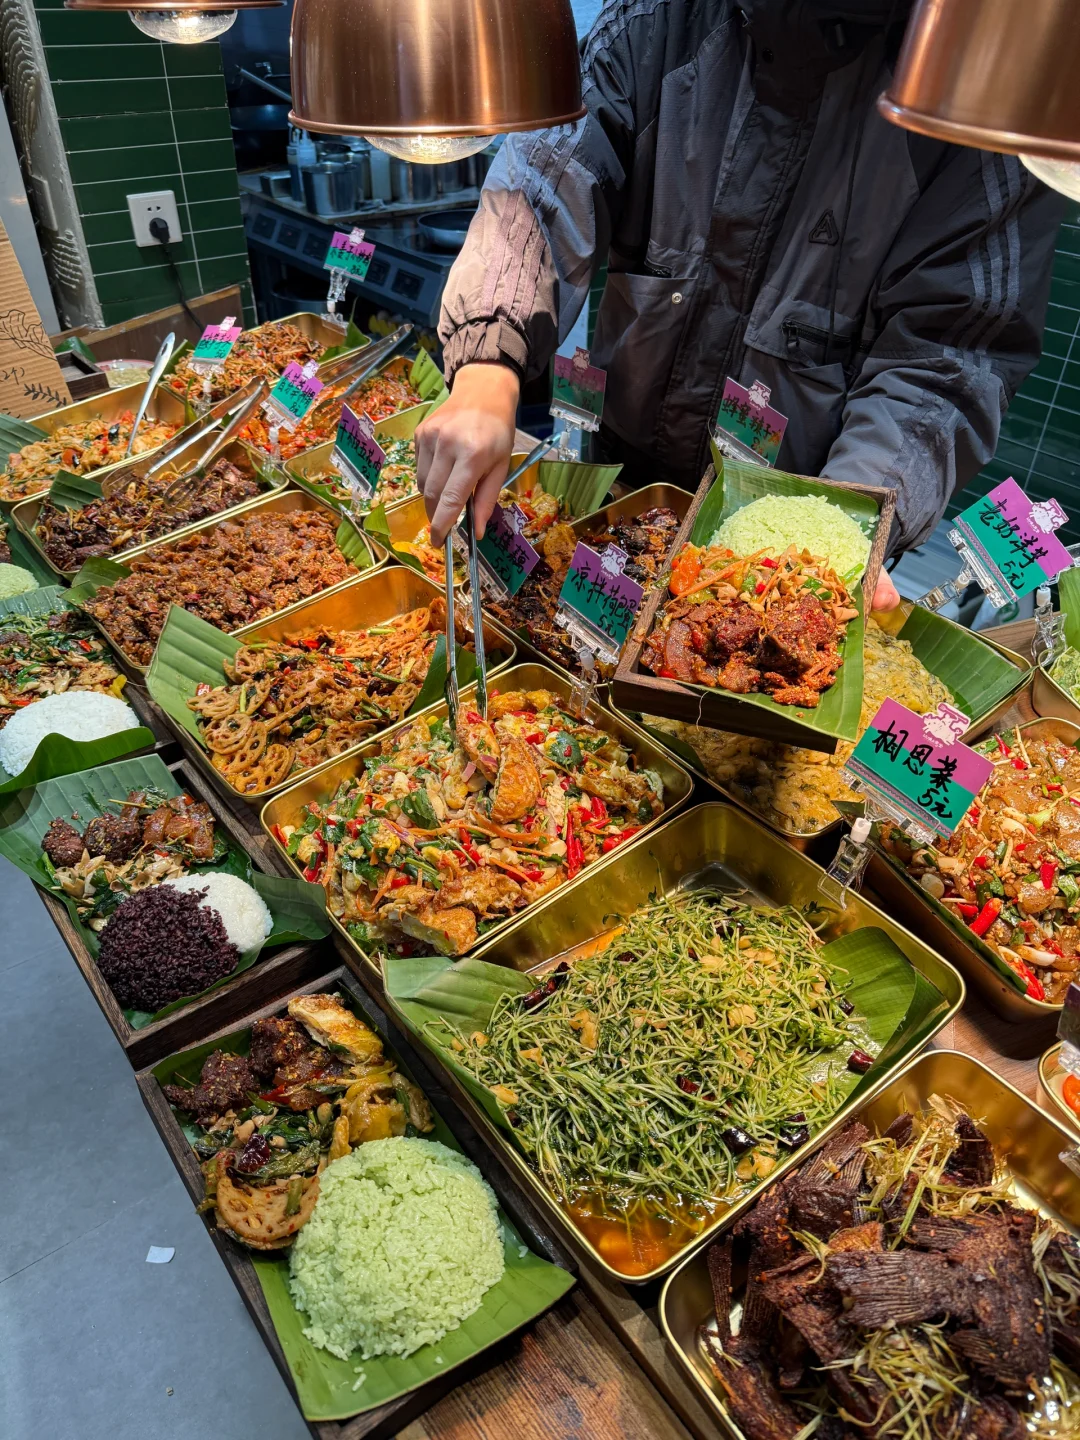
(77, 714)
(243, 911)
(403, 1245)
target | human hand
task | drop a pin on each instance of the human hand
(886, 595)
(463, 448)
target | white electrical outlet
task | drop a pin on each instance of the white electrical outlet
(148, 205)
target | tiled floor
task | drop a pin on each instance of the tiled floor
(95, 1344)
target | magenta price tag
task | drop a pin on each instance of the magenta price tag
(217, 340)
(506, 557)
(357, 456)
(577, 390)
(294, 393)
(351, 253)
(748, 416)
(917, 763)
(1014, 535)
(597, 602)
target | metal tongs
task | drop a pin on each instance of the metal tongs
(369, 360)
(185, 485)
(468, 525)
(164, 355)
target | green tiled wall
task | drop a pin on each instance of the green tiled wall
(1040, 436)
(138, 115)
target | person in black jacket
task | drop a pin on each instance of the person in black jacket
(760, 219)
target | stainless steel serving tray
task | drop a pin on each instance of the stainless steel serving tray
(288, 807)
(1030, 1139)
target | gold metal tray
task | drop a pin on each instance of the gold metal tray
(1048, 698)
(1052, 1077)
(893, 622)
(247, 460)
(651, 497)
(369, 599)
(283, 501)
(742, 853)
(288, 807)
(1031, 1140)
(909, 902)
(164, 404)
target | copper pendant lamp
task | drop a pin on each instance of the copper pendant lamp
(433, 80)
(179, 22)
(998, 75)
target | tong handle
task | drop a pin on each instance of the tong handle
(469, 527)
(164, 355)
(534, 454)
(370, 359)
(451, 686)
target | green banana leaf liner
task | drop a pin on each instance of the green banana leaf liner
(56, 755)
(191, 652)
(98, 573)
(1069, 604)
(25, 555)
(736, 485)
(354, 339)
(977, 677)
(297, 907)
(332, 1389)
(14, 434)
(184, 348)
(895, 1005)
(427, 379)
(401, 426)
(580, 488)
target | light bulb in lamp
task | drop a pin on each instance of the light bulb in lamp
(430, 149)
(1063, 175)
(182, 27)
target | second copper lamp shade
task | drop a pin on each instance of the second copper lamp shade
(434, 67)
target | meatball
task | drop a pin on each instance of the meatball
(63, 844)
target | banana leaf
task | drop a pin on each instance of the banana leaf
(48, 600)
(191, 652)
(14, 434)
(354, 340)
(894, 1005)
(72, 492)
(580, 488)
(837, 713)
(184, 348)
(1064, 672)
(426, 378)
(332, 1389)
(298, 908)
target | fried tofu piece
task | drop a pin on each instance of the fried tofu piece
(330, 1023)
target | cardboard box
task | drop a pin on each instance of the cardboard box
(30, 378)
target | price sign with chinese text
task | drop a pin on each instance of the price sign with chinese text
(293, 395)
(748, 416)
(1014, 535)
(216, 342)
(597, 602)
(357, 456)
(351, 253)
(506, 557)
(918, 766)
(577, 391)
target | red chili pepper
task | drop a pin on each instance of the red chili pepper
(1018, 764)
(528, 821)
(1058, 788)
(309, 644)
(352, 828)
(473, 718)
(986, 917)
(312, 872)
(86, 646)
(1047, 871)
(599, 810)
(279, 834)
(759, 588)
(468, 846)
(399, 882)
(575, 851)
(983, 862)
(533, 875)
(613, 840)
(1053, 947)
(1035, 989)
(770, 564)
(536, 738)
(1003, 749)
(667, 674)
(968, 912)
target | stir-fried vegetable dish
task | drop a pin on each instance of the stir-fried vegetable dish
(377, 398)
(79, 448)
(442, 836)
(49, 655)
(291, 704)
(397, 478)
(1011, 872)
(672, 1069)
(313, 1084)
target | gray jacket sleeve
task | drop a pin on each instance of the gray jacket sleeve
(545, 221)
(958, 313)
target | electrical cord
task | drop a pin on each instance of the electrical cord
(159, 229)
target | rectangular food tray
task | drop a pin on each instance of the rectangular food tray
(401, 426)
(651, 497)
(894, 622)
(287, 808)
(1030, 1138)
(745, 856)
(390, 1419)
(283, 501)
(249, 462)
(274, 971)
(911, 904)
(371, 599)
(164, 404)
(636, 689)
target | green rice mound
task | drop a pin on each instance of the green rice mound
(14, 580)
(403, 1244)
(809, 522)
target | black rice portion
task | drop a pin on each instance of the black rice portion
(161, 945)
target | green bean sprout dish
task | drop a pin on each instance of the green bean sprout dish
(663, 1076)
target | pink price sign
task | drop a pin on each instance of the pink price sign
(1014, 535)
(350, 253)
(357, 456)
(217, 340)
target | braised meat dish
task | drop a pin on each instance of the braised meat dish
(894, 1290)
(752, 623)
(136, 514)
(646, 538)
(231, 575)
